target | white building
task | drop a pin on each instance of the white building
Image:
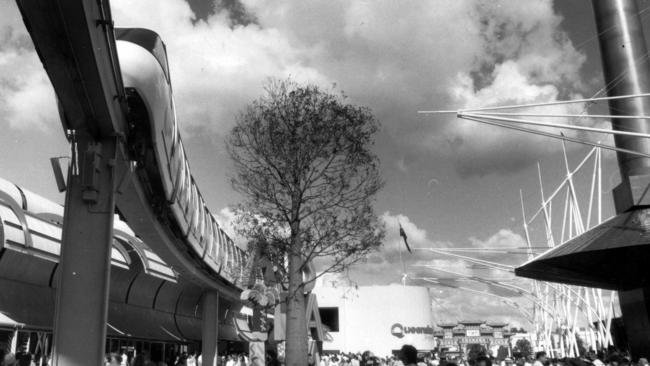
(376, 318)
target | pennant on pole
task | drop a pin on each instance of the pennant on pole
(403, 235)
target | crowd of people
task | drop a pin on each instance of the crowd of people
(22, 358)
(181, 359)
(409, 356)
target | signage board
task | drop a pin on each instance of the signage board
(473, 333)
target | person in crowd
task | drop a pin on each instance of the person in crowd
(354, 361)
(272, 358)
(345, 360)
(125, 359)
(113, 359)
(520, 360)
(614, 359)
(409, 355)
(191, 359)
(182, 360)
(365, 356)
(642, 362)
(594, 359)
(334, 360)
(483, 361)
(324, 361)
(23, 357)
(540, 359)
(9, 360)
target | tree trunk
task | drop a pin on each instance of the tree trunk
(296, 350)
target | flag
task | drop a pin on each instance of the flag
(403, 235)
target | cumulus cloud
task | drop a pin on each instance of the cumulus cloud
(216, 67)
(394, 57)
(401, 57)
(454, 295)
(525, 59)
(26, 97)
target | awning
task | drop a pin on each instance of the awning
(7, 322)
(613, 255)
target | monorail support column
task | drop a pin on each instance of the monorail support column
(624, 55)
(210, 328)
(83, 283)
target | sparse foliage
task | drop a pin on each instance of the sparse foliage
(303, 161)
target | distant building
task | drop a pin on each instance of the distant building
(379, 319)
(456, 337)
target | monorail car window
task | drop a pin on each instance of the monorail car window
(200, 232)
(181, 190)
(13, 231)
(187, 198)
(208, 231)
(245, 256)
(177, 179)
(226, 252)
(240, 261)
(194, 209)
(177, 160)
(235, 257)
(231, 253)
(215, 241)
(175, 134)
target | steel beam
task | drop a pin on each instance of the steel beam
(625, 66)
(82, 295)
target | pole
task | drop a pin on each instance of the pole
(624, 57)
(82, 289)
(210, 328)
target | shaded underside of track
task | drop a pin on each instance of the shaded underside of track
(76, 44)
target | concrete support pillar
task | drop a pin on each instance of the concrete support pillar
(634, 304)
(623, 51)
(210, 328)
(82, 293)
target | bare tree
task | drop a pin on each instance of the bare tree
(303, 160)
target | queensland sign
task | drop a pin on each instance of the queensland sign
(399, 331)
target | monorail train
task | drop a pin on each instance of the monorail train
(163, 171)
(147, 299)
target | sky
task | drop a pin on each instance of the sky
(449, 182)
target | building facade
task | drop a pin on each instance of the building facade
(457, 337)
(380, 319)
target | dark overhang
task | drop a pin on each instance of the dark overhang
(613, 255)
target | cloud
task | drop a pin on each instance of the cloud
(26, 97)
(216, 67)
(394, 57)
(454, 296)
(401, 57)
(481, 149)
(525, 58)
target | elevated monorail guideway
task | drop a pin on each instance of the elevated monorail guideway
(127, 154)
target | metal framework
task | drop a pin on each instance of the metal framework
(557, 311)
